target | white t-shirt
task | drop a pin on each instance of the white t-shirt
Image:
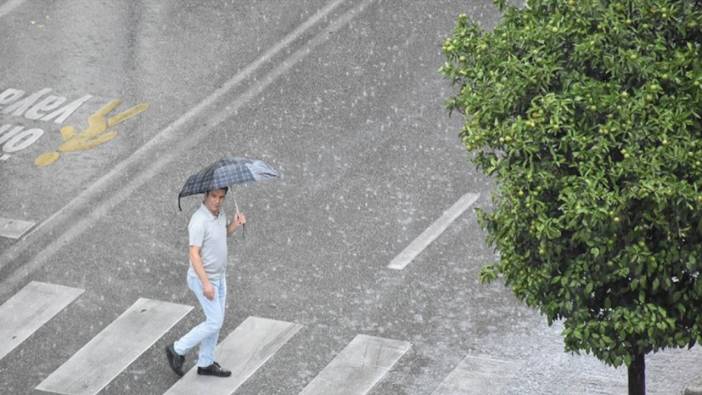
(210, 234)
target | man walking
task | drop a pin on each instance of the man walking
(206, 277)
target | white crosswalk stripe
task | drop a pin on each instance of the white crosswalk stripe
(113, 349)
(245, 350)
(478, 375)
(29, 309)
(359, 366)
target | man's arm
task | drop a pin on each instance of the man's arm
(196, 262)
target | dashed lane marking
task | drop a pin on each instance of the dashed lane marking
(432, 232)
(478, 375)
(112, 350)
(9, 6)
(245, 350)
(14, 228)
(359, 366)
(29, 309)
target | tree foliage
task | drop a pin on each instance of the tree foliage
(587, 114)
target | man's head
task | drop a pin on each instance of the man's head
(213, 199)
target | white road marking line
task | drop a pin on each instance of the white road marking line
(9, 6)
(359, 366)
(29, 309)
(432, 232)
(175, 136)
(115, 348)
(245, 350)
(478, 375)
(14, 228)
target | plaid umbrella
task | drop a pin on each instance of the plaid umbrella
(226, 172)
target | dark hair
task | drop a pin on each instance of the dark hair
(225, 189)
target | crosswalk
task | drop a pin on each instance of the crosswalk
(355, 370)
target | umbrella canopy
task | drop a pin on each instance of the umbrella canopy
(226, 172)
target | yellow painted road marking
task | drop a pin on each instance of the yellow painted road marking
(98, 131)
(123, 116)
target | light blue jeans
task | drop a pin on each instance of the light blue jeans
(207, 332)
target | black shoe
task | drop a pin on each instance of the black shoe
(175, 360)
(214, 370)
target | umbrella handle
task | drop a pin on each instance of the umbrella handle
(243, 226)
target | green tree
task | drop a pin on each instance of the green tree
(587, 115)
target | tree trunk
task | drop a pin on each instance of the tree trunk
(637, 375)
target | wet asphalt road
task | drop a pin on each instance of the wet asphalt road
(350, 110)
